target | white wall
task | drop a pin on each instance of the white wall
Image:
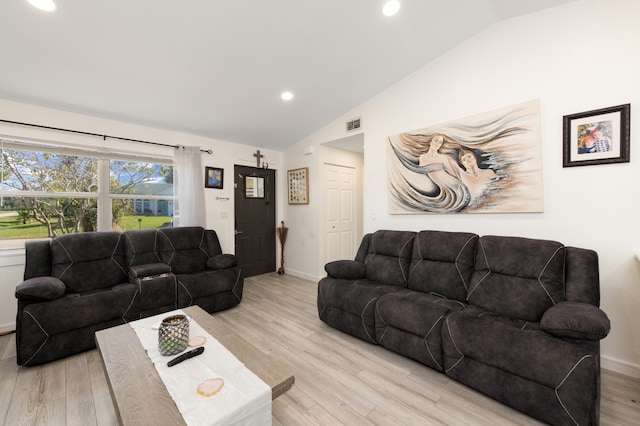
(220, 214)
(574, 58)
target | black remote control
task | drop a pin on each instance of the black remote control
(184, 356)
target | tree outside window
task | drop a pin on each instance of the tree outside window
(47, 193)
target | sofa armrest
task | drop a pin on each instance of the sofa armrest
(222, 261)
(148, 270)
(40, 288)
(346, 269)
(576, 320)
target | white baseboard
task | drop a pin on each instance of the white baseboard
(619, 366)
(6, 328)
(302, 275)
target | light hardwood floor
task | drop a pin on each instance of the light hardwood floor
(339, 379)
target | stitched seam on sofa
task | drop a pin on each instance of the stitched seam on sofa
(443, 298)
(129, 243)
(320, 296)
(419, 254)
(562, 382)
(27, 362)
(155, 246)
(454, 345)
(114, 252)
(404, 274)
(173, 249)
(486, 261)
(235, 285)
(70, 259)
(455, 364)
(415, 266)
(426, 344)
(200, 245)
(364, 326)
(185, 289)
(138, 290)
(379, 315)
(479, 283)
(466, 287)
(446, 321)
(542, 273)
(383, 334)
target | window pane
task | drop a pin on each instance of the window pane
(133, 177)
(38, 171)
(141, 214)
(35, 217)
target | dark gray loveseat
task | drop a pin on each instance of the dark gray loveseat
(76, 284)
(514, 318)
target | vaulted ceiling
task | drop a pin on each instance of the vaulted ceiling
(217, 68)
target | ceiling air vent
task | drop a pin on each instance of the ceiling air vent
(353, 125)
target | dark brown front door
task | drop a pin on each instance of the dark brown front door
(255, 217)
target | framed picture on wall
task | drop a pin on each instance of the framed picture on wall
(213, 177)
(600, 136)
(298, 184)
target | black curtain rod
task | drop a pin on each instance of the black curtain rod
(104, 137)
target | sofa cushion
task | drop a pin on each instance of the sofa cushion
(184, 249)
(518, 277)
(89, 261)
(442, 263)
(74, 311)
(576, 320)
(531, 354)
(409, 322)
(209, 282)
(349, 305)
(389, 257)
(40, 288)
(141, 247)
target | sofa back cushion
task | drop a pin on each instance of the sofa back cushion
(389, 256)
(518, 277)
(212, 243)
(141, 247)
(183, 248)
(89, 261)
(582, 276)
(442, 263)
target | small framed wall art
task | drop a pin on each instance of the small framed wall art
(298, 184)
(213, 177)
(600, 136)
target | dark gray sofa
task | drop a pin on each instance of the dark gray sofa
(514, 318)
(77, 284)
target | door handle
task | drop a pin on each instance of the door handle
(236, 232)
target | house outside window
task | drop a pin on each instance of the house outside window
(47, 191)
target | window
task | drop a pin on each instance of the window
(47, 191)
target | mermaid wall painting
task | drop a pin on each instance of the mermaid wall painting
(488, 163)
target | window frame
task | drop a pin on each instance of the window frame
(103, 195)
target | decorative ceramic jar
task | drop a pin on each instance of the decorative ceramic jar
(173, 335)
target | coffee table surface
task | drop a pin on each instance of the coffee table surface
(138, 393)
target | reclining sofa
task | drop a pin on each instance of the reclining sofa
(77, 284)
(514, 318)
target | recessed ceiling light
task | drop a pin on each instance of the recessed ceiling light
(391, 8)
(46, 5)
(286, 96)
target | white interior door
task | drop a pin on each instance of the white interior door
(340, 212)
